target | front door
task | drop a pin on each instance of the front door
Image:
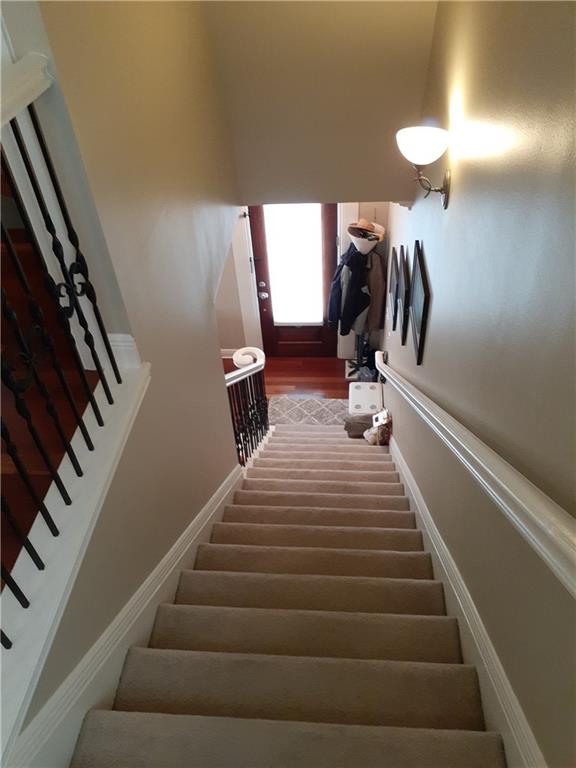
(295, 257)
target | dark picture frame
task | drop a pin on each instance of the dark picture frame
(403, 300)
(394, 287)
(419, 301)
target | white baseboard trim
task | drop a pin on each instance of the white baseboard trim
(501, 707)
(125, 350)
(227, 353)
(49, 739)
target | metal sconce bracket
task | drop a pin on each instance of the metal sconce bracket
(426, 185)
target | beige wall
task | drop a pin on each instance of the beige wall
(138, 81)
(500, 352)
(500, 349)
(315, 92)
(528, 614)
(228, 309)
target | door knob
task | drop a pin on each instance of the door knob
(263, 295)
(261, 284)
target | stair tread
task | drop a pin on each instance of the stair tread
(373, 594)
(308, 499)
(314, 560)
(337, 475)
(319, 516)
(355, 691)
(317, 536)
(150, 740)
(307, 633)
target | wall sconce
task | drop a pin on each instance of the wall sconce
(422, 145)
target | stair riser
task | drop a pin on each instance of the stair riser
(364, 467)
(307, 633)
(315, 428)
(349, 476)
(371, 518)
(244, 558)
(143, 740)
(353, 449)
(323, 455)
(340, 501)
(299, 689)
(323, 486)
(306, 440)
(316, 593)
(308, 536)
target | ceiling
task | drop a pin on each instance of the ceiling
(315, 91)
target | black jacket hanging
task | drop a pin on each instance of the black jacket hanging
(357, 297)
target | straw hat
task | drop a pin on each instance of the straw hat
(368, 230)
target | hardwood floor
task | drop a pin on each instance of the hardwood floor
(318, 376)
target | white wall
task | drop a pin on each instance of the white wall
(138, 82)
(228, 307)
(500, 352)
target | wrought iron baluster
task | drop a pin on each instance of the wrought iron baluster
(54, 291)
(28, 358)
(5, 641)
(12, 451)
(14, 588)
(80, 266)
(37, 315)
(15, 387)
(22, 538)
(58, 252)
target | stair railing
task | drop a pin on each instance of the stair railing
(248, 402)
(60, 383)
(548, 529)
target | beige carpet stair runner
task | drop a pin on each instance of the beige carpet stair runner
(310, 634)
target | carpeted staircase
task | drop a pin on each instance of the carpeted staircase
(311, 634)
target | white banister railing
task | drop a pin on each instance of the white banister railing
(545, 525)
(247, 398)
(248, 360)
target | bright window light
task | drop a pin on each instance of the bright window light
(294, 245)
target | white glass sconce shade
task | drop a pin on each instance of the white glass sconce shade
(422, 145)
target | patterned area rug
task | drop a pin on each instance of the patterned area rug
(300, 409)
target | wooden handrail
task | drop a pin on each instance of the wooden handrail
(547, 527)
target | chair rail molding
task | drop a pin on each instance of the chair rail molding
(545, 525)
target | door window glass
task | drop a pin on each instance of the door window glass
(294, 246)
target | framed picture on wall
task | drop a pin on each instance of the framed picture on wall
(403, 301)
(394, 288)
(419, 301)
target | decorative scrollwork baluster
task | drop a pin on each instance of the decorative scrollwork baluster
(64, 313)
(37, 315)
(79, 266)
(12, 451)
(28, 358)
(58, 252)
(16, 389)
